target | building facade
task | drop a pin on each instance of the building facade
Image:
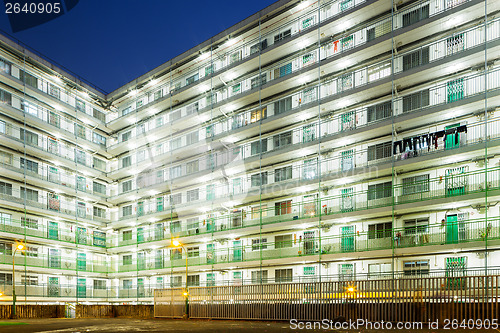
(313, 141)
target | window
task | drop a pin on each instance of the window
(29, 280)
(415, 101)
(416, 226)
(282, 35)
(175, 227)
(259, 276)
(283, 207)
(31, 251)
(283, 275)
(345, 82)
(258, 47)
(192, 138)
(379, 111)
(175, 172)
(127, 260)
(259, 244)
(282, 174)
(234, 57)
(258, 147)
(80, 105)
(80, 157)
(126, 136)
(310, 169)
(54, 258)
(127, 284)
(5, 66)
(139, 103)
(6, 158)
(99, 164)
(176, 199)
(99, 188)
(379, 191)
(5, 279)
(127, 210)
(259, 179)
(348, 200)
(159, 204)
(99, 139)
(29, 165)
(282, 241)
(211, 99)
(418, 267)
(29, 194)
(378, 30)
(379, 230)
(309, 270)
(192, 108)
(30, 137)
(5, 188)
(193, 280)
(256, 115)
(282, 140)
(283, 105)
(99, 115)
(192, 167)
(5, 97)
(99, 284)
(80, 131)
(256, 211)
(126, 111)
(283, 70)
(175, 281)
(28, 79)
(376, 270)
(127, 186)
(99, 239)
(141, 156)
(29, 223)
(99, 212)
(193, 252)
(379, 151)
(193, 195)
(193, 223)
(209, 69)
(416, 184)
(2, 127)
(258, 81)
(415, 15)
(175, 143)
(416, 58)
(192, 79)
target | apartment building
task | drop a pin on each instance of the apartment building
(313, 141)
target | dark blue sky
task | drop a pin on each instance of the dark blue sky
(111, 42)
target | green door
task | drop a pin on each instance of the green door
(81, 288)
(210, 254)
(140, 208)
(451, 229)
(81, 235)
(53, 287)
(455, 90)
(140, 235)
(82, 261)
(141, 261)
(347, 242)
(455, 272)
(140, 287)
(210, 224)
(53, 230)
(237, 251)
(451, 140)
(456, 181)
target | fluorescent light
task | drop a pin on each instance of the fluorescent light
(205, 55)
(302, 5)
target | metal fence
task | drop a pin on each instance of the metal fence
(404, 300)
(169, 303)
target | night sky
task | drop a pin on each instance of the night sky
(112, 42)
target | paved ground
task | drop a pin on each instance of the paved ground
(164, 325)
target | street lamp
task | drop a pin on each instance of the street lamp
(176, 243)
(20, 247)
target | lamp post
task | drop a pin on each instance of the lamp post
(19, 247)
(176, 243)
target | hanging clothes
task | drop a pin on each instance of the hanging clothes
(397, 144)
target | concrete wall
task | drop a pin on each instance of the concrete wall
(107, 311)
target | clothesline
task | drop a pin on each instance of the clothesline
(429, 138)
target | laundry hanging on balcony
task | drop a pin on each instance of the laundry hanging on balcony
(426, 140)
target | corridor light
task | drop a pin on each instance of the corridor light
(302, 5)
